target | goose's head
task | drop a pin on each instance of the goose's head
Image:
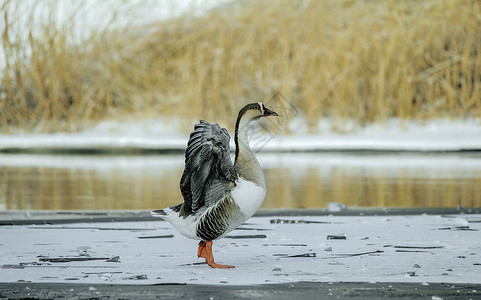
(255, 111)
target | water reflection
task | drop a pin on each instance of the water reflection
(41, 182)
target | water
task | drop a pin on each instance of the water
(56, 182)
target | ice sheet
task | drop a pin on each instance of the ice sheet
(424, 249)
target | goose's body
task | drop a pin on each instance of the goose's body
(219, 219)
(218, 195)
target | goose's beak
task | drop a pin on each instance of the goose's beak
(268, 112)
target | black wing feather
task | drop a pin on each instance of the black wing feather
(209, 174)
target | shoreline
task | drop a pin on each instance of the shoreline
(39, 217)
(156, 137)
(306, 290)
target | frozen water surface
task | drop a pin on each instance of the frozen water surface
(424, 249)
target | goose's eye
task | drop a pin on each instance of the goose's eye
(256, 107)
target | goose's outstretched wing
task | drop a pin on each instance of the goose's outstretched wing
(209, 174)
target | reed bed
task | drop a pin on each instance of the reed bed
(357, 61)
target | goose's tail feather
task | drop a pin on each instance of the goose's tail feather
(158, 213)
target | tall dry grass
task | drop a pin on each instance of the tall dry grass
(364, 61)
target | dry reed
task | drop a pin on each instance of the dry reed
(364, 61)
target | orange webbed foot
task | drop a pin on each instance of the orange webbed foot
(205, 251)
(219, 266)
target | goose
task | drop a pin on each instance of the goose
(218, 195)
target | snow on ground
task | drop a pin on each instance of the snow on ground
(422, 249)
(148, 134)
(439, 135)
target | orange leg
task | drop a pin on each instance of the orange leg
(202, 250)
(205, 251)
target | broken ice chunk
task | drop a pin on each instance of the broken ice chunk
(336, 206)
(83, 250)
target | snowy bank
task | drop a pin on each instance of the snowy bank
(151, 135)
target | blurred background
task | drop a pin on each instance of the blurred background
(331, 67)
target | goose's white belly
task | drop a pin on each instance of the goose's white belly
(248, 196)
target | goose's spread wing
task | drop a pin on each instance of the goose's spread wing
(209, 174)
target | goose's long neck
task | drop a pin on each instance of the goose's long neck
(246, 163)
